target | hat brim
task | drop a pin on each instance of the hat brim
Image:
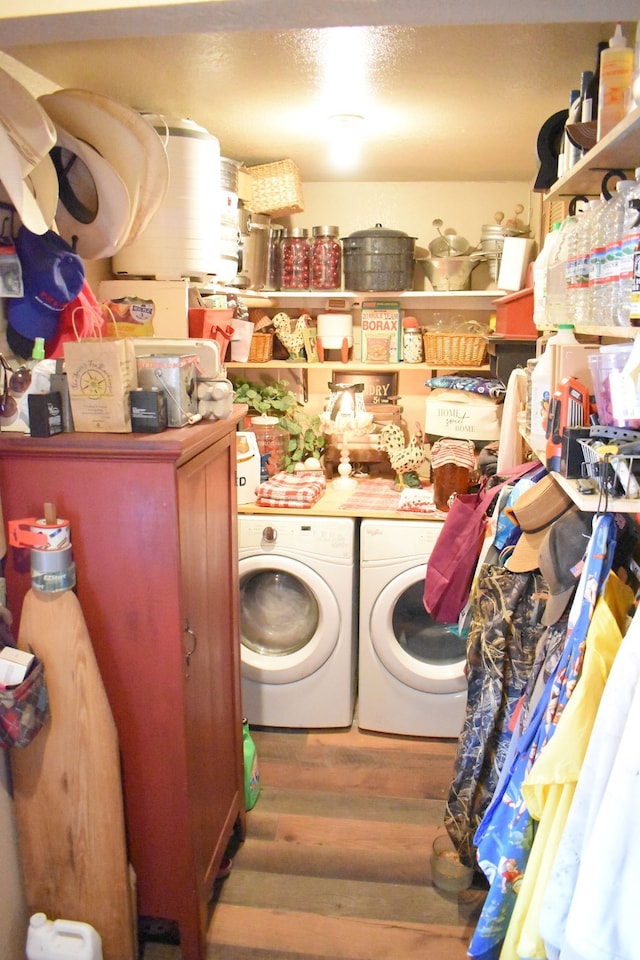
(26, 123)
(525, 553)
(556, 606)
(17, 189)
(102, 233)
(125, 139)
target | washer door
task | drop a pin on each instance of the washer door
(419, 652)
(289, 619)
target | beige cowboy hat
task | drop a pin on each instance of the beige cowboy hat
(125, 139)
(94, 210)
(26, 137)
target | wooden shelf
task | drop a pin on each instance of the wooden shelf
(618, 150)
(352, 365)
(341, 299)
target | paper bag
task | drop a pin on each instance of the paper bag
(100, 375)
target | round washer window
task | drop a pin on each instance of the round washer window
(278, 613)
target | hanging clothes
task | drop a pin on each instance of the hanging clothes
(549, 787)
(505, 834)
(589, 908)
(505, 630)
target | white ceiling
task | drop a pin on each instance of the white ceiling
(447, 91)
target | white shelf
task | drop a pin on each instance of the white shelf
(588, 502)
(428, 299)
(361, 366)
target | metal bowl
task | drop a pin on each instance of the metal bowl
(449, 273)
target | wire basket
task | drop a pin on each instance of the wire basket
(276, 188)
(616, 474)
(261, 348)
(454, 349)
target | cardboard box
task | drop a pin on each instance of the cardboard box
(381, 331)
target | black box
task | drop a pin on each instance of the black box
(148, 410)
(45, 413)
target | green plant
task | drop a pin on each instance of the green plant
(305, 438)
(275, 398)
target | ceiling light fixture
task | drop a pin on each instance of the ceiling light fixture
(345, 139)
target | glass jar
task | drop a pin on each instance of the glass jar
(326, 259)
(412, 345)
(295, 259)
(272, 440)
(273, 256)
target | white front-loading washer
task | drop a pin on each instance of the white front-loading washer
(298, 619)
(411, 669)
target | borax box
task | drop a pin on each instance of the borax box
(381, 331)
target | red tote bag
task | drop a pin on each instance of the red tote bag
(453, 561)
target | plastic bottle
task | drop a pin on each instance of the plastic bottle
(616, 78)
(569, 357)
(62, 940)
(596, 261)
(614, 232)
(630, 240)
(540, 266)
(590, 102)
(251, 767)
(556, 305)
(581, 315)
(635, 93)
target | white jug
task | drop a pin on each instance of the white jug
(62, 940)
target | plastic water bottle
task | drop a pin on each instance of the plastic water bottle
(630, 241)
(596, 262)
(581, 315)
(614, 230)
(62, 940)
(557, 268)
(540, 268)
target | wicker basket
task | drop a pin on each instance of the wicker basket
(454, 349)
(276, 188)
(261, 348)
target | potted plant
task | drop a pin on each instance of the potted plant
(274, 398)
(306, 441)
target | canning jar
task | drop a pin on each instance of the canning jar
(272, 440)
(412, 343)
(295, 259)
(326, 259)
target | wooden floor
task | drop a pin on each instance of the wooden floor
(336, 860)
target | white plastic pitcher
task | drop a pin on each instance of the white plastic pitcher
(62, 940)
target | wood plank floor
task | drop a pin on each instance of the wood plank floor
(336, 861)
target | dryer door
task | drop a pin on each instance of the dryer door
(289, 619)
(421, 653)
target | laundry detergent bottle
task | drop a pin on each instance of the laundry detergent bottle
(62, 940)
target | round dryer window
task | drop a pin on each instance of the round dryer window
(421, 653)
(290, 620)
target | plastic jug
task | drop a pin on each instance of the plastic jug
(251, 767)
(62, 940)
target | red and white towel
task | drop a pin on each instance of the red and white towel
(291, 490)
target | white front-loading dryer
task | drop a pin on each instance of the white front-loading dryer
(411, 669)
(298, 627)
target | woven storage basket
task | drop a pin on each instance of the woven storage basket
(454, 349)
(276, 188)
(261, 348)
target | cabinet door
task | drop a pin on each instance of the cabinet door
(213, 721)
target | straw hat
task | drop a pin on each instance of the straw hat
(125, 139)
(534, 511)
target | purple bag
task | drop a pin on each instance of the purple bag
(453, 561)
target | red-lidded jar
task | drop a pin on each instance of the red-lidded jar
(326, 259)
(452, 462)
(295, 259)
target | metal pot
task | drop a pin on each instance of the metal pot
(449, 273)
(253, 251)
(378, 259)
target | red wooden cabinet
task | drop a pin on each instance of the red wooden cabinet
(154, 534)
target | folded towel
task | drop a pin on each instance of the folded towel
(290, 489)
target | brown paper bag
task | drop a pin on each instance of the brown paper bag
(100, 375)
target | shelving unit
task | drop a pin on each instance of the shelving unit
(618, 150)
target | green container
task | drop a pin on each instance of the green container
(251, 768)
